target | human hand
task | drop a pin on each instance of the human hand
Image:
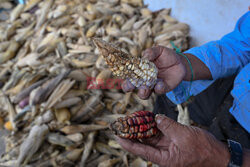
(171, 71)
(179, 146)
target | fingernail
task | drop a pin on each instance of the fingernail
(130, 86)
(160, 87)
(159, 118)
(142, 92)
(125, 88)
(117, 139)
(143, 52)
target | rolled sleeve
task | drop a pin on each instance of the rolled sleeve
(181, 92)
(224, 58)
(227, 56)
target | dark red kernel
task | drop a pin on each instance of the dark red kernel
(140, 124)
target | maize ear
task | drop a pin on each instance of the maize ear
(139, 71)
(140, 124)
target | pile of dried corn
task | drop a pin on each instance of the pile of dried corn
(47, 65)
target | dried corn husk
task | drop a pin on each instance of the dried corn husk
(88, 148)
(57, 87)
(32, 144)
(10, 53)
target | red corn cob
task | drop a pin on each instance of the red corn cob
(138, 125)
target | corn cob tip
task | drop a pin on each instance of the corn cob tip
(139, 71)
(98, 42)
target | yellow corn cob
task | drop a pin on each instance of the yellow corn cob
(139, 71)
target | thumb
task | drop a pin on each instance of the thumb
(127, 86)
(153, 53)
(165, 125)
(147, 152)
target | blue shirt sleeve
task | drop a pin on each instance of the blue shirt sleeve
(241, 94)
(223, 57)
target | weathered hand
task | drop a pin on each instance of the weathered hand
(170, 67)
(179, 146)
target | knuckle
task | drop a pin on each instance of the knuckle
(148, 51)
(163, 160)
(124, 88)
(165, 124)
(147, 155)
(160, 87)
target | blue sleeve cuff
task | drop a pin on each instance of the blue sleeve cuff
(228, 55)
(223, 57)
(181, 92)
(208, 54)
